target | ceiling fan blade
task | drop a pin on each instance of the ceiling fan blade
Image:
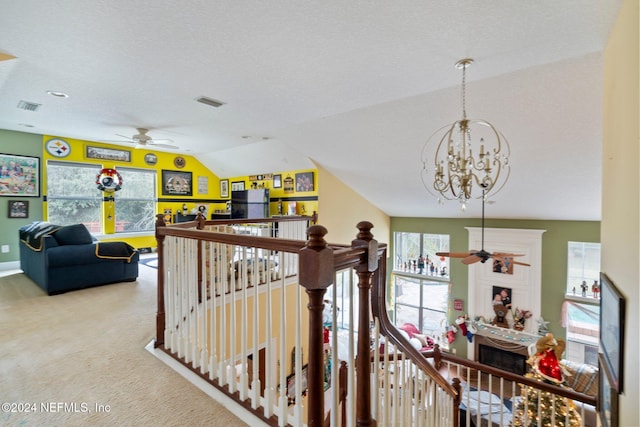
(471, 259)
(153, 144)
(505, 255)
(455, 254)
(520, 263)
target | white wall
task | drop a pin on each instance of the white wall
(620, 231)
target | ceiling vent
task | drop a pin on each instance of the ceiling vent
(29, 106)
(210, 101)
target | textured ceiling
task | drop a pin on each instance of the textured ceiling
(356, 87)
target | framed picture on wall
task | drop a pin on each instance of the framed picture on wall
(18, 209)
(102, 153)
(277, 181)
(612, 319)
(224, 188)
(19, 175)
(607, 396)
(176, 183)
(304, 181)
(237, 186)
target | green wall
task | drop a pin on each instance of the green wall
(554, 257)
(23, 144)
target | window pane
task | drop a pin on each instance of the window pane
(135, 202)
(72, 195)
(583, 265)
(422, 303)
(416, 253)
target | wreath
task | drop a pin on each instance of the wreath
(109, 180)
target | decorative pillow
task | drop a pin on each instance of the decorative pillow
(76, 234)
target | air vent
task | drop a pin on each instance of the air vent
(29, 106)
(210, 101)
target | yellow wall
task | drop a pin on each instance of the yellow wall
(343, 208)
(165, 161)
(620, 232)
(296, 199)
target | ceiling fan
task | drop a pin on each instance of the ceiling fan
(142, 140)
(482, 256)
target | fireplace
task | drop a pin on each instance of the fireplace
(508, 356)
(502, 359)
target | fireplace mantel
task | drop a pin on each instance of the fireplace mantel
(503, 334)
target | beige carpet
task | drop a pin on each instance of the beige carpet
(83, 355)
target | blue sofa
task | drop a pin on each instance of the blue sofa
(65, 258)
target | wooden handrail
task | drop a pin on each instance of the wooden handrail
(509, 376)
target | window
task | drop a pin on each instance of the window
(346, 293)
(421, 302)
(582, 308)
(72, 195)
(416, 253)
(583, 268)
(135, 202)
(421, 281)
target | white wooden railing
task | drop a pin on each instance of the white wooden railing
(244, 309)
(241, 304)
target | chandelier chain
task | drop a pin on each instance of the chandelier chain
(464, 91)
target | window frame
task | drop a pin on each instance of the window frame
(423, 279)
(97, 197)
(153, 199)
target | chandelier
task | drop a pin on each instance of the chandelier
(471, 159)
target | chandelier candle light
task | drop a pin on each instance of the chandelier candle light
(456, 172)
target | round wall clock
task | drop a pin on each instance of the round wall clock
(179, 162)
(58, 147)
(150, 159)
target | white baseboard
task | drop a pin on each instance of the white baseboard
(230, 404)
(11, 265)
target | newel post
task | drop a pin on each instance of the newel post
(363, 360)
(316, 275)
(160, 314)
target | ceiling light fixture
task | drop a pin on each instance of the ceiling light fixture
(463, 167)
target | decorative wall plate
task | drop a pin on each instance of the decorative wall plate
(58, 147)
(150, 159)
(179, 162)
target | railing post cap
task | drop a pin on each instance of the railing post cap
(316, 235)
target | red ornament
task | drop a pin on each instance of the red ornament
(442, 258)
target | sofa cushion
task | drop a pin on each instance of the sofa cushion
(76, 234)
(582, 378)
(68, 255)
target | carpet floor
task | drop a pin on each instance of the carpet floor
(79, 359)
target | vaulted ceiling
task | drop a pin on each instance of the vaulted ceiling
(354, 87)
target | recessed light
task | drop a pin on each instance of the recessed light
(57, 94)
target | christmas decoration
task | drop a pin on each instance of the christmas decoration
(536, 408)
(109, 180)
(519, 318)
(460, 321)
(451, 334)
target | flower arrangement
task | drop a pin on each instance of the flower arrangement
(520, 317)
